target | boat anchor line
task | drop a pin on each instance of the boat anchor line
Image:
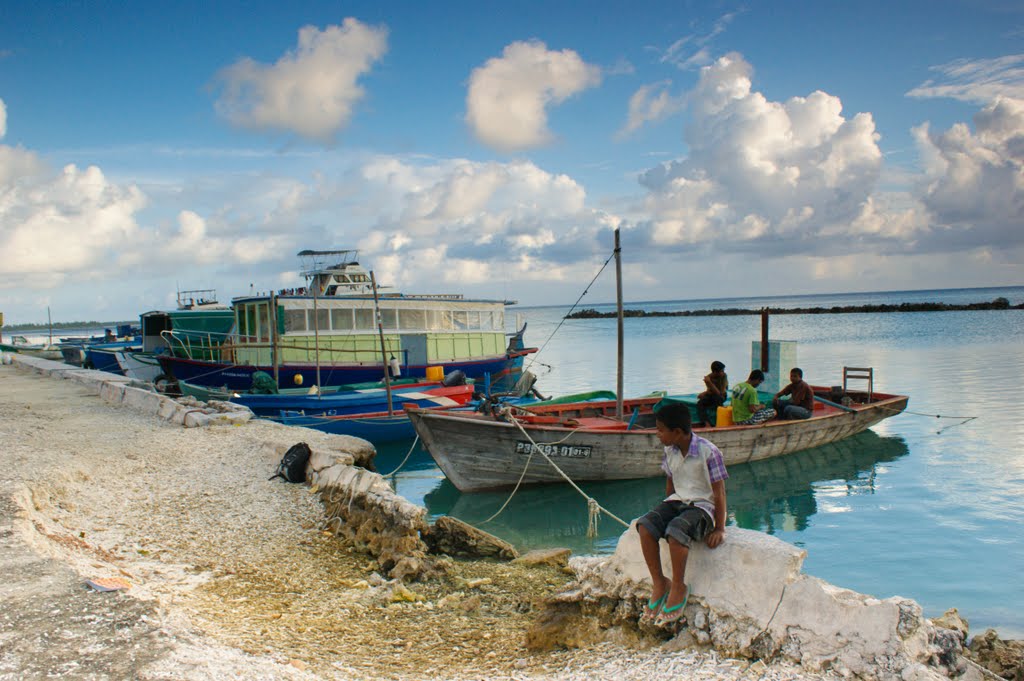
(963, 419)
(594, 509)
(407, 455)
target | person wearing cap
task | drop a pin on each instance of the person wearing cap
(717, 384)
(746, 410)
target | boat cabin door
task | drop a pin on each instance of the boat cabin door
(414, 346)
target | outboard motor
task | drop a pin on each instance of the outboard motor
(457, 377)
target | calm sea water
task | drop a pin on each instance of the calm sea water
(923, 507)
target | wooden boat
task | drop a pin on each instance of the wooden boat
(342, 328)
(478, 451)
(616, 439)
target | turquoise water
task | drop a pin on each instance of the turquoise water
(923, 507)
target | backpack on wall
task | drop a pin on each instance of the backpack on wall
(293, 464)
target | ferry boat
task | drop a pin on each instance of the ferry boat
(343, 328)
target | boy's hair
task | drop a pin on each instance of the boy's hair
(798, 371)
(674, 415)
(717, 366)
(756, 375)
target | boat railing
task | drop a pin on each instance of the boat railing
(195, 344)
(225, 348)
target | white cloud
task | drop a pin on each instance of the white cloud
(3, 119)
(974, 183)
(978, 81)
(691, 51)
(312, 89)
(56, 225)
(507, 99)
(762, 171)
(650, 103)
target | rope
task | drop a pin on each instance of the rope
(532, 360)
(594, 509)
(962, 419)
(407, 455)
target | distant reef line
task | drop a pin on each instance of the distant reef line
(997, 304)
(62, 325)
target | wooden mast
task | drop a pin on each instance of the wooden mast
(618, 300)
(383, 350)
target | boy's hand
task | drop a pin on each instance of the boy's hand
(715, 538)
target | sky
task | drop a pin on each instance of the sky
(491, 148)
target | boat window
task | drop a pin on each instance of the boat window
(413, 319)
(321, 321)
(294, 320)
(389, 318)
(473, 319)
(364, 319)
(249, 335)
(460, 320)
(341, 320)
(444, 320)
(263, 313)
(332, 289)
(499, 320)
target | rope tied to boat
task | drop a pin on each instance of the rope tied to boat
(594, 509)
(962, 419)
(407, 455)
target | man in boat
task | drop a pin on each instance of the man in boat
(800, 402)
(693, 511)
(717, 384)
(746, 410)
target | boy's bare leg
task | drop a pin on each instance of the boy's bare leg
(652, 556)
(678, 554)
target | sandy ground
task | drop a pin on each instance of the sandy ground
(233, 577)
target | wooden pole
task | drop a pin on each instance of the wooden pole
(383, 349)
(764, 339)
(618, 309)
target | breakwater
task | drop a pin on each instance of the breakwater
(997, 304)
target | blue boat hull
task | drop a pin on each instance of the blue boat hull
(504, 372)
(374, 429)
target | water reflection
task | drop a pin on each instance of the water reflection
(783, 494)
(773, 495)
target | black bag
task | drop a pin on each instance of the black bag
(293, 464)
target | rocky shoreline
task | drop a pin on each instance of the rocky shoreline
(997, 304)
(234, 576)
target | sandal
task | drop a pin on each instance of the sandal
(668, 615)
(653, 608)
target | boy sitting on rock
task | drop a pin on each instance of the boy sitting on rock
(693, 510)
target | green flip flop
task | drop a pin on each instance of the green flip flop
(668, 615)
(653, 608)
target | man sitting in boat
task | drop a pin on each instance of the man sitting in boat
(746, 410)
(800, 402)
(717, 384)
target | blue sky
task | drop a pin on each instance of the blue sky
(491, 148)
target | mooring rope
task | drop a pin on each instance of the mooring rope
(962, 419)
(594, 509)
(407, 455)
(533, 360)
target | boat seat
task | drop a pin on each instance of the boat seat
(601, 423)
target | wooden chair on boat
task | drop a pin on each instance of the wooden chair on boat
(859, 374)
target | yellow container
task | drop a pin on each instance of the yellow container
(435, 373)
(724, 417)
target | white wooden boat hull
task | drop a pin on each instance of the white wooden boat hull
(477, 452)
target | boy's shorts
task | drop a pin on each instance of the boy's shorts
(685, 523)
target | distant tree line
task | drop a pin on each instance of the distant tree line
(65, 325)
(997, 304)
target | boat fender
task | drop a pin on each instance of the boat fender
(396, 368)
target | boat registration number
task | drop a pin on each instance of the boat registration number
(563, 451)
